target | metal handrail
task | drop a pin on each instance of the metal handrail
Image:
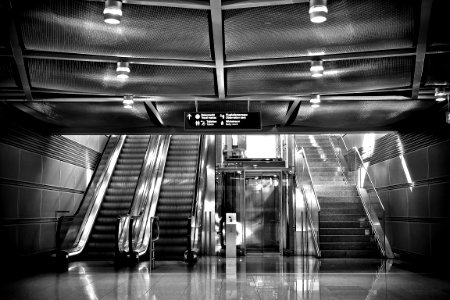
(341, 168)
(142, 237)
(93, 208)
(315, 236)
(124, 237)
(302, 150)
(368, 176)
(384, 245)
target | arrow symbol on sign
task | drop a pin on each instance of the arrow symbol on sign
(189, 116)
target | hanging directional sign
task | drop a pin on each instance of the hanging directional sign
(222, 120)
(447, 117)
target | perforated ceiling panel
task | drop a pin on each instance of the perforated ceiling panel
(437, 70)
(272, 112)
(172, 113)
(285, 30)
(145, 31)
(354, 115)
(6, 73)
(438, 32)
(96, 115)
(339, 76)
(101, 78)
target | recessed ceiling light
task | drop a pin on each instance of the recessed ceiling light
(318, 11)
(123, 69)
(316, 68)
(440, 98)
(112, 12)
(128, 101)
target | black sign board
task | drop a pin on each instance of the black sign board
(447, 117)
(222, 120)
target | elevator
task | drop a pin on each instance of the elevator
(262, 212)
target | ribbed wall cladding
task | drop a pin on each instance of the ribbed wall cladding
(54, 146)
(394, 144)
(118, 198)
(176, 197)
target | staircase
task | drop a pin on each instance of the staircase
(344, 229)
(118, 198)
(176, 197)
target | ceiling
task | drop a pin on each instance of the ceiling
(382, 61)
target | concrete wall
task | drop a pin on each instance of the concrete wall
(34, 186)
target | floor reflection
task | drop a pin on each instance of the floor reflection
(251, 277)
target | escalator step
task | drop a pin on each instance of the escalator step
(166, 194)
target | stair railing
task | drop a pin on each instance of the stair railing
(136, 236)
(311, 202)
(79, 226)
(373, 206)
(195, 220)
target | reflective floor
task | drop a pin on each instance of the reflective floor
(252, 277)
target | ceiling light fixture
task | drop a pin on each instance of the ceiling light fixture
(315, 100)
(128, 101)
(318, 11)
(316, 68)
(440, 94)
(123, 69)
(113, 11)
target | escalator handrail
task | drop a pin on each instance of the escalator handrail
(147, 166)
(199, 192)
(140, 243)
(94, 206)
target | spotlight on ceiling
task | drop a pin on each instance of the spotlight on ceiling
(318, 11)
(128, 101)
(316, 68)
(315, 100)
(123, 69)
(440, 94)
(113, 11)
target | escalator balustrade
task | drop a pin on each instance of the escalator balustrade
(117, 200)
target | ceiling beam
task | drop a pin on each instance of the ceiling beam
(153, 113)
(218, 42)
(330, 57)
(114, 59)
(295, 106)
(17, 53)
(192, 4)
(421, 48)
(239, 4)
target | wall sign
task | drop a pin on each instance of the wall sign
(222, 120)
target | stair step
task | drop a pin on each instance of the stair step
(350, 253)
(344, 231)
(347, 246)
(343, 224)
(343, 217)
(345, 238)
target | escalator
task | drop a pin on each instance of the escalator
(117, 200)
(176, 197)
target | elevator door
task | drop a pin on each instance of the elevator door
(262, 197)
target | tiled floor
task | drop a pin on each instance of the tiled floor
(252, 277)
